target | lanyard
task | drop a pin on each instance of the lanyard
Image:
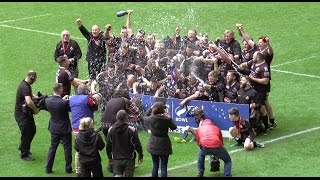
(65, 48)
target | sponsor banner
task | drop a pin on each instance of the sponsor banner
(216, 111)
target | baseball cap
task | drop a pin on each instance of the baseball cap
(197, 111)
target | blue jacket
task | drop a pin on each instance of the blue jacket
(79, 109)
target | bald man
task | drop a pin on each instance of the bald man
(24, 111)
(96, 53)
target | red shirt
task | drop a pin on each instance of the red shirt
(209, 135)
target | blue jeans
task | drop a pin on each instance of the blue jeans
(221, 153)
(155, 165)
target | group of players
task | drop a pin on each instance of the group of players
(186, 67)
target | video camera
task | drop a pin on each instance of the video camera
(38, 102)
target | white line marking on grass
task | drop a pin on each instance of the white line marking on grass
(298, 60)
(241, 149)
(24, 18)
(37, 31)
(298, 74)
(291, 135)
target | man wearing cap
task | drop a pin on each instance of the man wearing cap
(210, 142)
(198, 116)
(24, 115)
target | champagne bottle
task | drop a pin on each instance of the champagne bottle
(122, 13)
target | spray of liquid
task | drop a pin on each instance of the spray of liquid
(197, 77)
(163, 25)
(165, 21)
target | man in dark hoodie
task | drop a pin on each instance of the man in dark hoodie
(122, 144)
(120, 101)
(88, 143)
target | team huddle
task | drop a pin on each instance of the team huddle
(185, 67)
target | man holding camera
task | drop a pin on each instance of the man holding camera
(24, 115)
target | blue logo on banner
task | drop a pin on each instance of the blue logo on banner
(216, 111)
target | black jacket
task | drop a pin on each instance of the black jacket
(123, 142)
(72, 51)
(159, 141)
(88, 144)
(112, 108)
(96, 49)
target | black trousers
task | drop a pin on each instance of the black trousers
(93, 167)
(67, 146)
(105, 129)
(28, 130)
(123, 167)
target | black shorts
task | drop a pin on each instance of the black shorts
(262, 97)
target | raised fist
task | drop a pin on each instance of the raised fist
(108, 27)
(79, 22)
(177, 30)
(129, 11)
(238, 25)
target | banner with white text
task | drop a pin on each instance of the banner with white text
(216, 111)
